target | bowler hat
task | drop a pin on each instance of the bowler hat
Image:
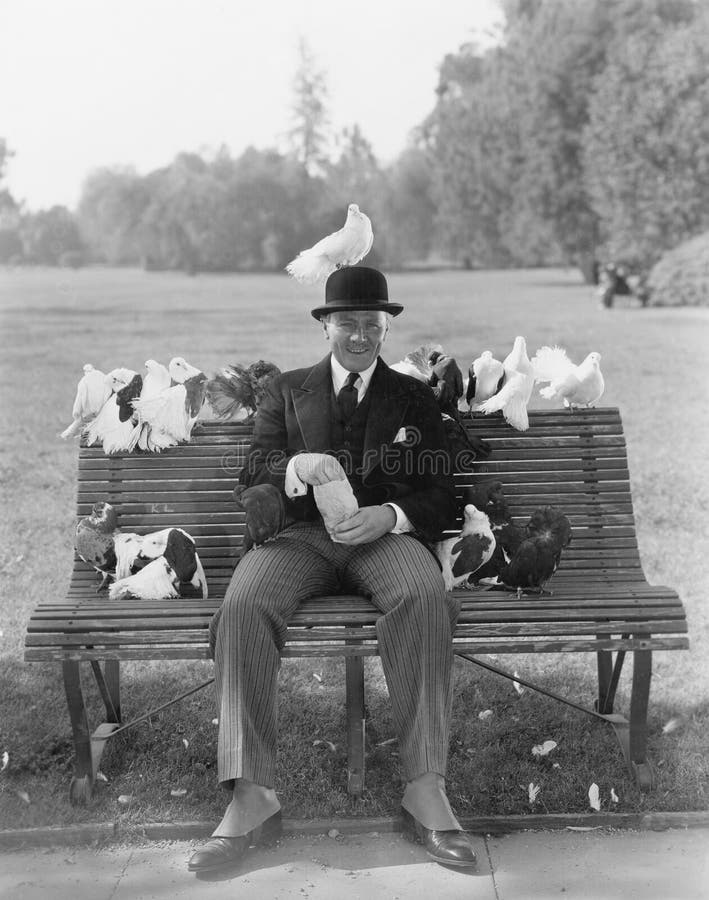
(356, 288)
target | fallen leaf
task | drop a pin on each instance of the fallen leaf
(215, 721)
(516, 685)
(544, 749)
(594, 799)
(185, 742)
(485, 714)
(330, 746)
(178, 792)
(333, 833)
(5, 761)
(101, 777)
(533, 792)
(125, 799)
(23, 795)
(614, 797)
(388, 742)
(317, 677)
(556, 766)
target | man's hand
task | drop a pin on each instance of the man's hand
(318, 468)
(365, 526)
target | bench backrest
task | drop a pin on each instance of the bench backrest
(574, 461)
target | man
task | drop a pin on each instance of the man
(348, 416)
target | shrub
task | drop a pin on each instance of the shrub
(681, 277)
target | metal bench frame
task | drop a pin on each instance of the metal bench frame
(600, 603)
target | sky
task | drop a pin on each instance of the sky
(91, 83)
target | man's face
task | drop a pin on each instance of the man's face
(356, 338)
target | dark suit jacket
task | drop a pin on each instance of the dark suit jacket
(415, 473)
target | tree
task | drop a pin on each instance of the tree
(49, 235)
(112, 203)
(309, 134)
(647, 141)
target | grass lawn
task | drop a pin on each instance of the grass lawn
(656, 371)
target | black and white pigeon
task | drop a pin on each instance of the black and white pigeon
(182, 563)
(576, 386)
(101, 543)
(517, 386)
(464, 554)
(92, 391)
(447, 383)
(172, 413)
(115, 425)
(236, 391)
(489, 497)
(417, 363)
(536, 559)
(345, 247)
(485, 378)
(265, 511)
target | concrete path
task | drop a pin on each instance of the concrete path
(593, 865)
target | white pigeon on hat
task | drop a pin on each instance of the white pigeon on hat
(576, 386)
(92, 391)
(517, 386)
(345, 247)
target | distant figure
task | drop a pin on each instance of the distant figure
(616, 280)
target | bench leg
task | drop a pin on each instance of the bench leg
(354, 702)
(108, 681)
(642, 674)
(88, 748)
(82, 782)
(608, 678)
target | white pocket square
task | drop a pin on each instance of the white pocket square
(400, 436)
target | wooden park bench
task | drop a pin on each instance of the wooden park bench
(600, 602)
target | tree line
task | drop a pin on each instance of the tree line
(583, 135)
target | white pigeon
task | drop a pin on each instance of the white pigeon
(114, 425)
(575, 386)
(465, 553)
(171, 414)
(157, 581)
(156, 381)
(92, 391)
(341, 248)
(484, 379)
(517, 386)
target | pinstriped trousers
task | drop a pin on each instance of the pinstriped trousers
(414, 634)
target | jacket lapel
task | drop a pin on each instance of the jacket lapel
(387, 408)
(311, 402)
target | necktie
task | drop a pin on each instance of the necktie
(347, 398)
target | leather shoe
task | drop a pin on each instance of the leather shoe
(451, 848)
(225, 851)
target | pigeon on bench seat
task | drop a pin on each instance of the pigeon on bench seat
(462, 555)
(489, 497)
(180, 564)
(538, 556)
(101, 543)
